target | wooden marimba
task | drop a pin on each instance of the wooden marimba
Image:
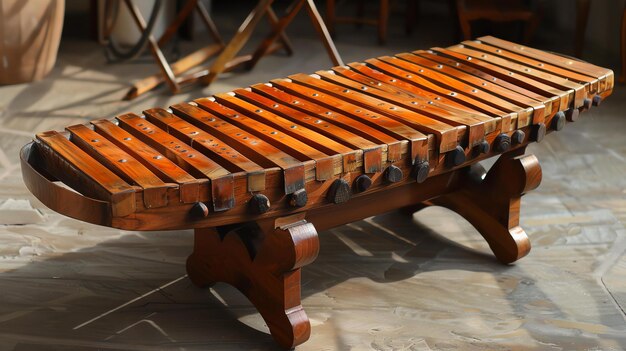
(257, 170)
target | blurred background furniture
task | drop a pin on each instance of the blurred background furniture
(496, 11)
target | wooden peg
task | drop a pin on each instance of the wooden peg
(362, 183)
(299, 198)
(199, 210)
(538, 132)
(483, 147)
(259, 204)
(393, 174)
(503, 143)
(587, 103)
(558, 121)
(455, 157)
(420, 171)
(597, 100)
(518, 137)
(572, 114)
(339, 191)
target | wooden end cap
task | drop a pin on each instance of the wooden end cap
(362, 183)
(558, 121)
(572, 114)
(538, 132)
(420, 171)
(455, 157)
(199, 210)
(518, 137)
(259, 204)
(339, 191)
(503, 143)
(597, 100)
(299, 198)
(393, 174)
(483, 147)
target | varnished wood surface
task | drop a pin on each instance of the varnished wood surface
(289, 140)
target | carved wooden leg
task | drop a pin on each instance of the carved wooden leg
(264, 263)
(492, 205)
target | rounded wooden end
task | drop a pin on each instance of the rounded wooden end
(518, 137)
(558, 121)
(362, 183)
(339, 191)
(572, 114)
(455, 157)
(587, 103)
(421, 170)
(299, 198)
(199, 210)
(503, 143)
(393, 174)
(484, 147)
(259, 204)
(597, 100)
(538, 132)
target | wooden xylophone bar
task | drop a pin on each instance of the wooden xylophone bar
(256, 171)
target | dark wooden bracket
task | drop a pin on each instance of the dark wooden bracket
(263, 261)
(491, 202)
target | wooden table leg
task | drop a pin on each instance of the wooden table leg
(492, 205)
(582, 17)
(237, 42)
(264, 263)
(323, 33)
(154, 47)
(622, 77)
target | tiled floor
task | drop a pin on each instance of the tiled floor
(388, 282)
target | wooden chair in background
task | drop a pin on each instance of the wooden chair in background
(496, 11)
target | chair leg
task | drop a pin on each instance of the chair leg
(492, 205)
(382, 21)
(264, 264)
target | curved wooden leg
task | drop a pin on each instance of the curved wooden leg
(264, 264)
(492, 205)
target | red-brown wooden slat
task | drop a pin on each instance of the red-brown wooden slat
(243, 100)
(328, 119)
(192, 161)
(247, 143)
(209, 145)
(122, 164)
(379, 80)
(73, 166)
(577, 91)
(447, 136)
(412, 64)
(318, 145)
(477, 126)
(418, 140)
(605, 76)
(539, 109)
(591, 83)
(510, 76)
(160, 165)
(393, 75)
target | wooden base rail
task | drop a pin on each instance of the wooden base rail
(264, 259)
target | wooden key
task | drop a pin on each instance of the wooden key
(160, 165)
(209, 145)
(70, 164)
(516, 99)
(418, 141)
(328, 133)
(329, 120)
(122, 164)
(415, 65)
(394, 74)
(605, 76)
(550, 102)
(591, 83)
(317, 146)
(477, 125)
(222, 181)
(379, 80)
(576, 91)
(249, 144)
(447, 135)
